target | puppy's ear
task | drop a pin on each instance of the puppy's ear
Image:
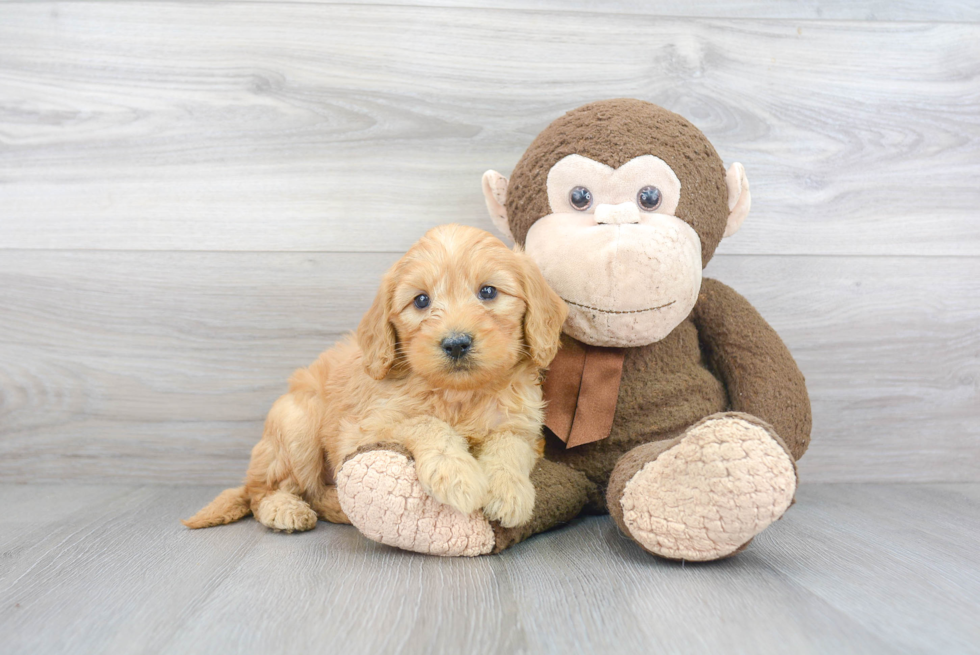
(546, 313)
(376, 334)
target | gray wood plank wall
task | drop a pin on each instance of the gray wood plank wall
(196, 198)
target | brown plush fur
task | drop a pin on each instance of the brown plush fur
(757, 368)
(613, 132)
(561, 495)
(723, 357)
(473, 426)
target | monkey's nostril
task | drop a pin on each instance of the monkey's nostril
(620, 214)
(457, 346)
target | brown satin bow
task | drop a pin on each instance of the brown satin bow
(581, 388)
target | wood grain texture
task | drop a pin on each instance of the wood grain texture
(322, 127)
(850, 569)
(160, 366)
(887, 530)
(864, 10)
(195, 198)
(859, 10)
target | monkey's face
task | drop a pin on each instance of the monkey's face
(620, 203)
(628, 268)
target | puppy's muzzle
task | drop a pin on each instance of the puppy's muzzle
(457, 346)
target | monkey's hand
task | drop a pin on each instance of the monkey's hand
(379, 490)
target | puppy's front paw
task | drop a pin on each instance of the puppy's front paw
(511, 500)
(456, 480)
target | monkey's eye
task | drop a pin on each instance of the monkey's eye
(580, 198)
(649, 198)
(487, 293)
(421, 301)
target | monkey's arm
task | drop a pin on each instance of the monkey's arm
(759, 373)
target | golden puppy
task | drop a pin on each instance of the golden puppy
(446, 363)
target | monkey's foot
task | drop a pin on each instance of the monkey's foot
(727, 478)
(380, 493)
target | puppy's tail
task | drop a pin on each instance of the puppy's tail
(228, 507)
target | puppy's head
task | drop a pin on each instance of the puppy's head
(461, 310)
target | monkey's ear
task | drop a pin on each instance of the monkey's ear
(739, 198)
(495, 193)
(376, 334)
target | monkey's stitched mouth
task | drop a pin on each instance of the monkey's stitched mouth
(616, 311)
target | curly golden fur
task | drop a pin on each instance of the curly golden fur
(472, 423)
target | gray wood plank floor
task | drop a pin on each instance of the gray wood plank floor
(326, 127)
(160, 367)
(196, 198)
(862, 10)
(852, 568)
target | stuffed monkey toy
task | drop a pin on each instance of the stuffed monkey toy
(672, 405)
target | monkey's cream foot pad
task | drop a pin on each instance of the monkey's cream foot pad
(703, 499)
(381, 495)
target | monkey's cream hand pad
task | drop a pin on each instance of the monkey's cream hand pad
(381, 495)
(703, 499)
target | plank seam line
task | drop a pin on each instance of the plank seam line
(526, 10)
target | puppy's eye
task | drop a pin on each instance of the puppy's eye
(649, 198)
(580, 198)
(421, 301)
(488, 293)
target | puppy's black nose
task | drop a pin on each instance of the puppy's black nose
(456, 346)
